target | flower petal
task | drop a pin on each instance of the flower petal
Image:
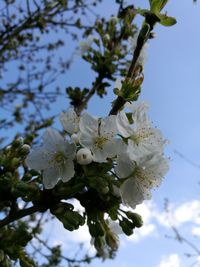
(89, 124)
(123, 125)
(70, 121)
(50, 177)
(108, 127)
(125, 166)
(67, 171)
(53, 140)
(131, 193)
(39, 159)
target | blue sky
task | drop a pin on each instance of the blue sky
(171, 87)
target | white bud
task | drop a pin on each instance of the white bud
(114, 20)
(106, 37)
(25, 149)
(8, 148)
(20, 140)
(84, 156)
(75, 138)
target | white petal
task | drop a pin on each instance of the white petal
(156, 168)
(131, 193)
(125, 166)
(67, 171)
(69, 150)
(108, 127)
(123, 125)
(99, 155)
(139, 113)
(53, 140)
(50, 177)
(114, 147)
(39, 159)
(89, 124)
(70, 121)
(87, 140)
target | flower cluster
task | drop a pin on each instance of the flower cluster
(126, 142)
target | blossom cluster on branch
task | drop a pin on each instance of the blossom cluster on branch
(127, 148)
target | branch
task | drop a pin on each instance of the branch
(142, 39)
(84, 103)
(18, 215)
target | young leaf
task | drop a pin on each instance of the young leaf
(166, 21)
(157, 5)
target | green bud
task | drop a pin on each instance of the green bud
(71, 219)
(67, 225)
(18, 142)
(15, 162)
(126, 228)
(74, 218)
(2, 256)
(22, 189)
(96, 229)
(136, 218)
(61, 208)
(99, 244)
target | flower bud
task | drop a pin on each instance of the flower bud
(25, 150)
(18, 142)
(84, 156)
(136, 218)
(112, 240)
(114, 20)
(8, 148)
(106, 37)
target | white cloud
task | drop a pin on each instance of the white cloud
(196, 231)
(170, 261)
(146, 211)
(177, 216)
(152, 217)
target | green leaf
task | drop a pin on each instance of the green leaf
(166, 21)
(157, 5)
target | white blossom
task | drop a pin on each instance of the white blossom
(84, 156)
(142, 137)
(140, 176)
(54, 158)
(70, 121)
(99, 136)
(114, 19)
(85, 45)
